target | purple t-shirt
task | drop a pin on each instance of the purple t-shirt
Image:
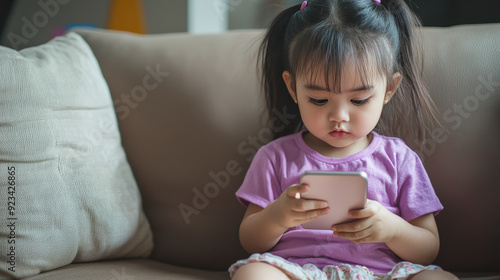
(396, 179)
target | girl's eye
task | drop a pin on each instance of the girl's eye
(359, 102)
(318, 102)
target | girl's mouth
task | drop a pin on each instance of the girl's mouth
(338, 133)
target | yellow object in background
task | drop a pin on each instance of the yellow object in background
(127, 15)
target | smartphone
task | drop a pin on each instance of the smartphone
(343, 191)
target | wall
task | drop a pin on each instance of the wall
(32, 22)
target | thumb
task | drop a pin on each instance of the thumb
(295, 191)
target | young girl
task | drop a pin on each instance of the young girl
(351, 69)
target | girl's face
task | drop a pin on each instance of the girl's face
(339, 123)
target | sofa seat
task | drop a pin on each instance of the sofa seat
(133, 269)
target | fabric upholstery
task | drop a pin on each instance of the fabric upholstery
(462, 71)
(188, 107)
(136, 269)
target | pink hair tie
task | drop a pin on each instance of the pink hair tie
(378, 1)
(304, 4)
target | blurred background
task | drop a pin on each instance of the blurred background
(25, 23)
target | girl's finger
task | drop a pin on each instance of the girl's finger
(366, 212)
(307, 216)
(303, 205)
(353, 236)
(355, 226)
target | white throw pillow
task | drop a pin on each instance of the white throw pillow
(67, 190)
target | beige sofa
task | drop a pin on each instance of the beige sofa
(191, 137)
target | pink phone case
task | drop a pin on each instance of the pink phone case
(343, 191)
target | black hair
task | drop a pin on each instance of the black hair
(333, 32)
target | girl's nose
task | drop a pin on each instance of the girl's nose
(338, 114)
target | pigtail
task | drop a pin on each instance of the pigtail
(413, 95)
(272, 56)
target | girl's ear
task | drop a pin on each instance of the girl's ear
(392, 86)
(290, 84)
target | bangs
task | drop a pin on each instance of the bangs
(324, 50)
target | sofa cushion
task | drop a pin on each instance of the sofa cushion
(462, 71)
(189, 110)
(68, 193)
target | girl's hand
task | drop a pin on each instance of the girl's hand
(289, 210)
(375, 224)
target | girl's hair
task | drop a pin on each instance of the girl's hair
(336, 32)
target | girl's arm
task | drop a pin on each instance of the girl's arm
(416, 241)
(261, 228)
(258, 233)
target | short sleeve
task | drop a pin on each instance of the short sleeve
(260, 185)
(417, 196)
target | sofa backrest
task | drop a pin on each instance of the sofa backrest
(191, 115)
